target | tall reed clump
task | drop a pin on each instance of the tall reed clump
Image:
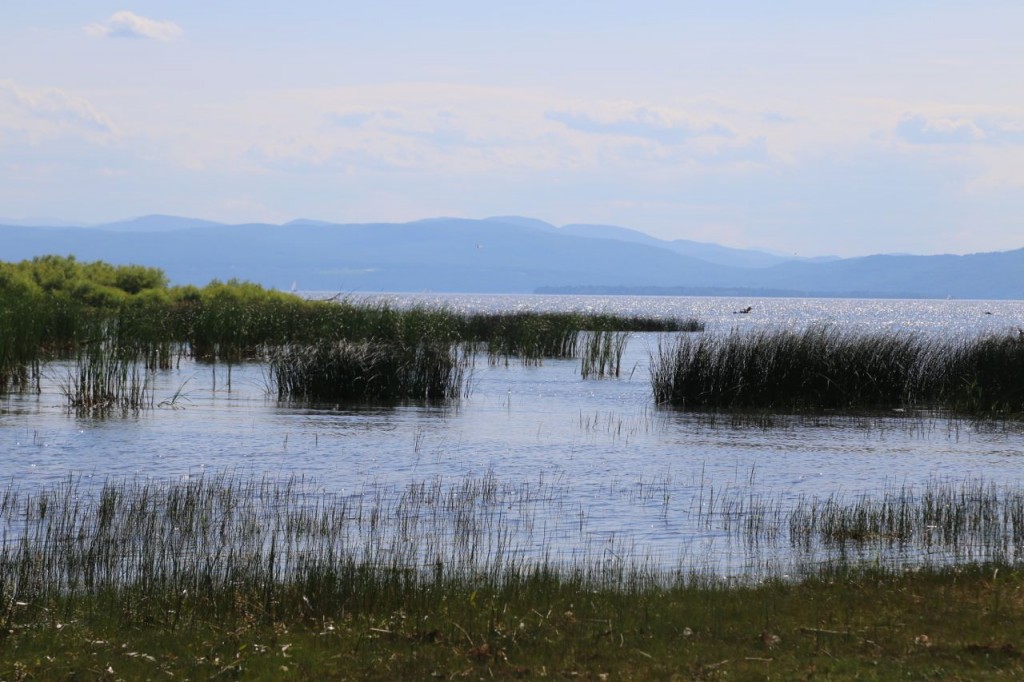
(19, 334)
(983, 377)
(823, 368)
(236, 321)
(36, 324)
(50, 306)
(360, 371)
(144, 327)
(105, 379)
(602, 354)
(225, 322)
(534, 336)
(528, 336)
(640, 323)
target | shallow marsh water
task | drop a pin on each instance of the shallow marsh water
(587, 467)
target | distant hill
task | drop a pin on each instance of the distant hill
(501, 254)
(156, 223)
(712, 253)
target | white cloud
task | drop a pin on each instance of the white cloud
(356, 118)
(459, 129)
(49, 110)
(684, 167)
(922, 130)
(980, 129)
(125, 24)
(646, 122)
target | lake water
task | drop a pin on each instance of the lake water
(583, 467)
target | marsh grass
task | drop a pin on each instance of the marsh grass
(30, 334)
(21, 377)
(212, 537)
(220, 532)
(638, 323)
(347, 371)
(974, 521)
(824, 369)
(531, 337)
(226, 576)
(106, 379)
(602, 354)
(388, 354)
(364, 351)
(50, 307)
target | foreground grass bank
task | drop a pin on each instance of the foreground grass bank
(948, 624)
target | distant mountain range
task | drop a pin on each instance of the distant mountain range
(503, 254)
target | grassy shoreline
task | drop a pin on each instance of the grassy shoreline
(944, 624)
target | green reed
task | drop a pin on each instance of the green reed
(976, 519)
(602, 354)
(108, 318)
(347, 371)
(212, 574)
(50, 304)
(209, 539)
(940, 522)
(533, 336)
(106, 379)
(529, 336)
(824, 368)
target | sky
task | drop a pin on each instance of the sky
(812, 128)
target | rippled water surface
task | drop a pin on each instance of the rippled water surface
(620, 469)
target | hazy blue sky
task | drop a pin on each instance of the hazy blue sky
(808, 127)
